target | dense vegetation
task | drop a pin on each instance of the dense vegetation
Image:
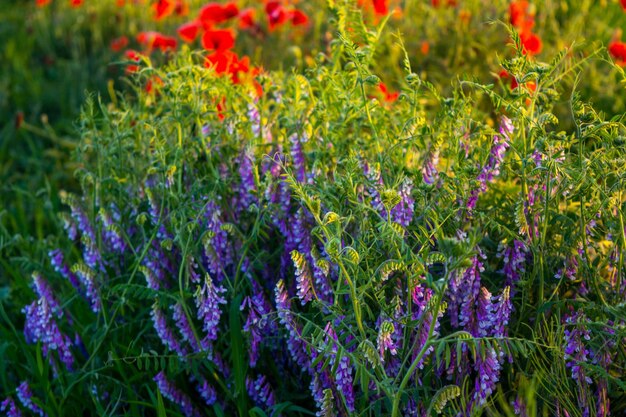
(368, 208)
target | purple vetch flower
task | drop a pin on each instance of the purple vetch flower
(254, 116)
(88, 279)
(492, 167)
(217, 250)
(537, 158)
(57, 262)
(385, 341)
(184, 326)
(9, 408)
(80, 217)
(207, 392)
(69, 225)
(373, 174)
(260, 391)
(43, 289)
(488, 368)
(91, 254)
(25, 396)
(208, 299)
(169, 391)
(111, 233)
(463, 291)
(484, 313)
(501, 310)
(430, 175)
(295, 345)
(164, 332)
(157, 266)
(514, 266)
(423, 311)
(297, 155)
(324, 404)
(278, 193)
(343, 374)
(247, 188)
(569, 270)
(205, 130)
(519, 407)
(257, 323)
(402, 213)
(303, 277)
(40, 326)
(576, 352)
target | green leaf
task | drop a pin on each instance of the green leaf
(238, 356)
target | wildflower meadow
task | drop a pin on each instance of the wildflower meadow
(313, 208)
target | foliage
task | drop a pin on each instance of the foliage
(328, 248)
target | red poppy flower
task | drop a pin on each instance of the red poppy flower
(118, 44)
(220, 61)
(531, 43)
(76, 3)
(246, 18)
(153, 40)
(276, 14)
(520, 17)
(623, 2)
(517, 12)
(214, 13)
(182, 8)
(437, 3)
(219, 40)
(387, 95)
(227, 62)
(42, 3)
(221, 106)
(188, 32)
(299, 18)
(132, 55)
(381, 7)
(617, 50)
(163, 8)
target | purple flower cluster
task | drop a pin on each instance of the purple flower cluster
(9, 408)
(207, 392)
(515, 258)
(25, 396)
(492, 168)
(343, 374)
(208, 299)
(164, 332)
(403, 212)
(172, 393)
(41, 326)
(87, 279)
(258, 323)
(430, 175)
(247, 188)
(260, 391)
(297, 155)
(217, 250)
(184, 326)
(58, 263)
